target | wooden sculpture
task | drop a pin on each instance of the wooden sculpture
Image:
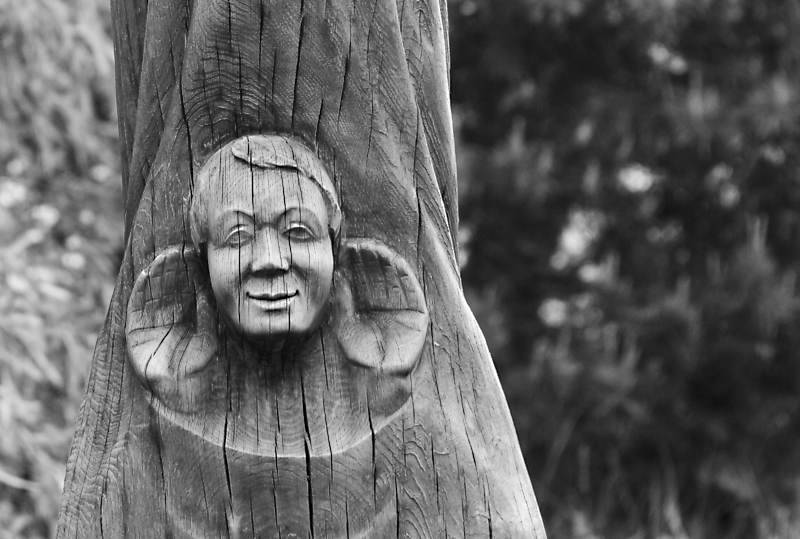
(288, 351)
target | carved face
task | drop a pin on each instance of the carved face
(270, 256)
(266, 215)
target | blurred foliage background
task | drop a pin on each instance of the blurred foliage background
(630, 245)
(60, 235)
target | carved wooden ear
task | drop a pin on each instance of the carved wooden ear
(171, 328)
(379, 317)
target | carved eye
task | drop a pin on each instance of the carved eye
(299, 231)
(238, 237)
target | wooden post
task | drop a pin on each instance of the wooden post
(288, 351)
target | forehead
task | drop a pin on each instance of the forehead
(239, 186)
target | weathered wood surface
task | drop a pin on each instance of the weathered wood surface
(385, 418)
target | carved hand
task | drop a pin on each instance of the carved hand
(171, 328)
(380, 317)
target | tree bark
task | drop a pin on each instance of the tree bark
(427, 447)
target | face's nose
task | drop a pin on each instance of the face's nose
(271, 253)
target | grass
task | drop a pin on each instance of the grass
(60, 231)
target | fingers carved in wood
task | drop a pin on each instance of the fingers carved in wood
(380, 317)
(171, 328)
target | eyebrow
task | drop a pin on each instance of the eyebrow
(234, 212)
(305, 215)
(299, 207)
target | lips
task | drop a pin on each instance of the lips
(272, 301)
(271, 296)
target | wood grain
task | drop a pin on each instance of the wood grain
(344, 435)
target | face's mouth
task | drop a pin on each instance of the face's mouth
(271, 296)
(272, 301)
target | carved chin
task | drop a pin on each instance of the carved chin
(274, 320)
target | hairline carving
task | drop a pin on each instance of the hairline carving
(267, 152)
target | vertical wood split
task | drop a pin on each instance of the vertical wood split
(386, 418)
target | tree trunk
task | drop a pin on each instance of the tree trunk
(386, 417)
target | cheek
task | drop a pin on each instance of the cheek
(325, 278)
(223, 269)
(318, 270)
